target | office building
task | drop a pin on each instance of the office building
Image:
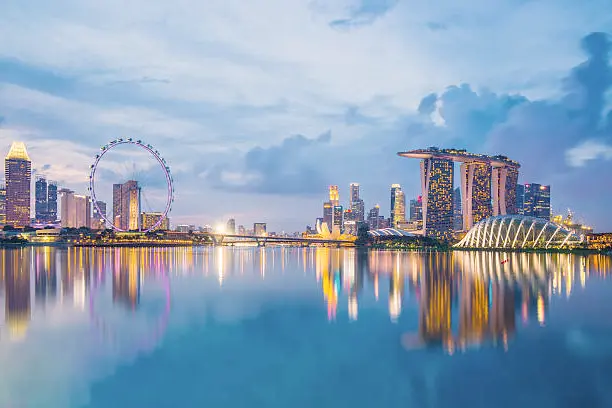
(520, 197)
(98, 217)
(457, 213)
(259, 229)
(416, 209)
(354, 188)
(230, 227)
(476, 192)
(40, 200)
(51, 201)
(334, 196)
(75, 209)
(126, 205)
(373, 217)
(393, 207)
(241, 230)
(357, 205)
(328, 214)
(350, 227)
(2, 204)
(18, 173)
(537, 201)
(150, 219)
(338, 221)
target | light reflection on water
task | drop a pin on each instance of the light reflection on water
(72, 317)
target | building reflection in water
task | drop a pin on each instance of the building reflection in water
(17, 292)
(126, 277)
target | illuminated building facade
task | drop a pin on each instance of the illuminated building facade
(457, 210)
(505, 195)
(40, 203)
(480, 174)
(476, 192)
(97, 219)
(357, 205)
(51, 201)
(2, 204)
(537, 201)
(398, 205)
(230, 227)
(437, 186)
(18, 173)
(334, 195)
(373, 217)
(416, 211)
(149, 219)
(520, 199)
(75, 210)
(338, 218)
(126, 205)
(259, 229)
(328, 213)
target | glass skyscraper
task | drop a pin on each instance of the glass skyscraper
(40, 203)
(536, 202)
(437, 183)
(520, 199)
(51, 201)
(18, 173)
(398, 205)
(2, 204)
(126, 205)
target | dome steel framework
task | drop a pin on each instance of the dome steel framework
(518, 232)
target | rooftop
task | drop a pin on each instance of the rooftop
(18, 152)
(460, 155)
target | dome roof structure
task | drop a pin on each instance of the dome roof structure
(518, 232)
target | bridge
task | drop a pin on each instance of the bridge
(232, 239)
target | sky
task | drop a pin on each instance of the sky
(258, 106)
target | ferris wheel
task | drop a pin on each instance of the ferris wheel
(166, 192)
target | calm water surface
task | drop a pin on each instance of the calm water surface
(311, 327)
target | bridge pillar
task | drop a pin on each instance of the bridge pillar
(217, 239)
(261, 242)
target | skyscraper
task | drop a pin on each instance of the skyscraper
(520, 197)
(416, 210)
(437, 186)
(328, 214)
(259, 229)
(126, 205)
(75, 209)
(149, 219)
(51, 201)
(537, 201)
(398, 206)
(457, 213)
(2, 204)
(334, 195)
(41, 200)
(505, 179)
(373, 217)
(338, 221)
(357, 205)
(476, 192)
(18, 173)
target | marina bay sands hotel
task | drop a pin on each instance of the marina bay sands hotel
(488, 187)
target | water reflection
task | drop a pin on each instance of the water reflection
(463, 298)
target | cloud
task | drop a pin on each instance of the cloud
(435, 26)
(580, 155)
(364, 12)
(293, 167)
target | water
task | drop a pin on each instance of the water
(303, 327)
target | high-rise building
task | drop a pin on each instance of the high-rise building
(334, 195)
(75, 209)
(437, 185)
(98, 217)
(537, 201)
(338, 221)
(126, 205)
(505, 180)
(51, 201)
(357, 205)
(520, 197)
(399, 209)
(259, 229)
(149, 219)
(476, 192)
(2, 204)
(241, 230)
(416, 213)
(373, 217)
(18, 173)
(328, 214)
(457, 213)
(395, 188)
(41, 200)
(230, 227)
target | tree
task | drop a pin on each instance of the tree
(363, 238)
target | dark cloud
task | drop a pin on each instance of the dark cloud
(366, 12)
(295, 166)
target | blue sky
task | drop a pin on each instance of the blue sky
(258, 106)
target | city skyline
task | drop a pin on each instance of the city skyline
(274, 145)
